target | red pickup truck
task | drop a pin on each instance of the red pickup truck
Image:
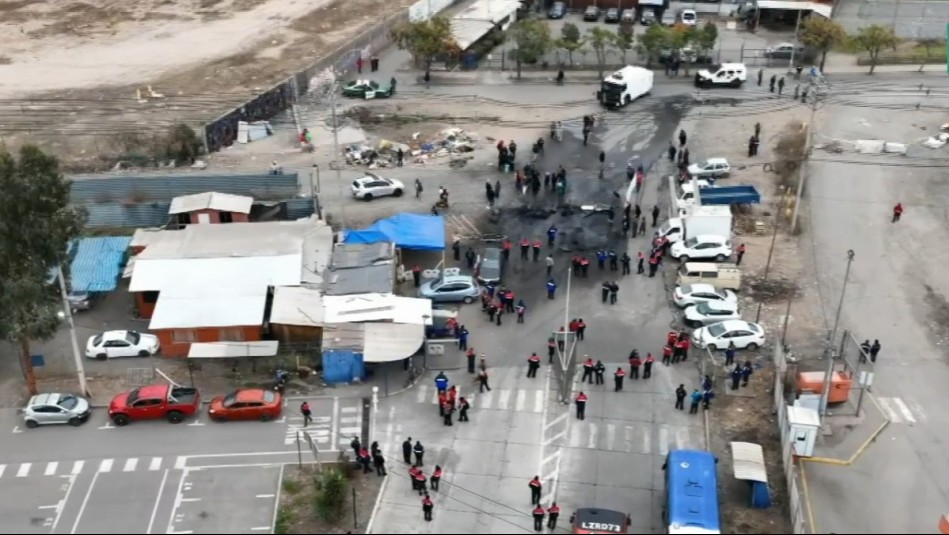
(152, 402)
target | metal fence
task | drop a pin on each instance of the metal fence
(797, 504)
(910, 19)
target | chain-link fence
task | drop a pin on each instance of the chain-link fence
(910, 19)
(797, 503)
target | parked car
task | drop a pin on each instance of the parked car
(557, 10)
(371, 185)
(48, 409)
(702, 246)
(490, 266)
(648, 17)
(692, 294)
(451, 288)
(744, 334)
(612, 15)
(82, 301)
(668, 18)
(628, 15)
(688, 17)
(708, 312)
(367, 89)
(591, 14)
(174, 403)
(117, 344)
(710, 168)
(246, 404)
(784, 51)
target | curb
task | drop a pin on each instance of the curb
(375, 508)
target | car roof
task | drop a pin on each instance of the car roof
(732, 65)
(716, 160)
(710, 237)
(370, 177)
(735, 324)
(721, 304)
(114, 335)
(456, 278)
(44, 399)
(702, 287)
(153, 391)
(249, 394)
(687, 11)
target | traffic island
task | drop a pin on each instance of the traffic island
(326, 498)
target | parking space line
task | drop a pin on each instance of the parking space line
(130, 465)
(155, 465)
(266, 495)
(62, 504)
(161, 490)
(262, 528)
(3, 468)
(24, 470)
(106, 465)
(334, 430)
(85, 501)
(77, 467)
(51, 469)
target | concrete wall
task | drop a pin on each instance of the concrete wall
(173, 342)
(910, 19)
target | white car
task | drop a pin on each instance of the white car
(708, 312)
(371, 186)
(693, 294)
(744, 334)
(710, 168)
(688, 17)
(115, 344)
(702, 246)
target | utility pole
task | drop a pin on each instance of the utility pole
(797, 29)
(831, 354)
(315, 192)
(814, 95)
(334, 91)
(67, 312)
(565, 357)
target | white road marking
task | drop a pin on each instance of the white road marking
(155, 465)
(504, 398)
(521, 402)
(610, 436)
(647, 447)
(556, 420)
(663, 441)
(486, 399)
(539, 401)
(904, 410)
(130, 465)
(350, 410)
(106, 465)
(17, 430)
(77, 467)
(24, 470)
(190, 500)
(47, 506)
(51, 469)
(551, 457)
(3, 468)
(889, 411)
(576, 438)
(422, 393)
(181, 461)
(266, 495)
(262, 528)
(591, 439)
(108, 425)
(161, 490)
(334, 431)
(62, 503)
(196, 423)
(85, 501)
(682, 438)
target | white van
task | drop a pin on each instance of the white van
(724, 75)
(725, 276)
(624, 86)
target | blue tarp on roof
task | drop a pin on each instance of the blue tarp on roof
(408, 231)
(98, 263)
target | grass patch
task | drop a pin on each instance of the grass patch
(321, 501)
(291, 486)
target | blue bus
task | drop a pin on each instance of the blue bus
(691, 497)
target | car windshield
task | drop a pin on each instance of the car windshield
(132, 337)
(68, 402)
(716, 329)
(229, 400)
(703, 308)
(691, 242)
(97, 341)
(686, 290)
(356, 184)
(269, 396)
(133, 397)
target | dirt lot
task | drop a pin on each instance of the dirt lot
(69, 71)
(296, 511)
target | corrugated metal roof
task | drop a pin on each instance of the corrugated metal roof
(137, 189)
(119, 215)
(209, 350)
(368, 279)
(190, 312)
(297, 306)
(376, 307)
(748, 462)
(344, 336)
(144, 237)
(298, 208)
(355, 255)
(388, 342)
(233, 240)
(211, 200)
(98, 263)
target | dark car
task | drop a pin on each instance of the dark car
(648, 17)
(557, 11)
(612, 15)
(490, 265)
(591, 14)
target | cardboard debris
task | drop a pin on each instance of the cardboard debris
(891, 147)
(870, 146)
(448, 142)
(933, 143)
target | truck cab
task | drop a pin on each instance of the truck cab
(624, 86)
(724, 75)
(696, 220)
(686, 195)
(152, 402)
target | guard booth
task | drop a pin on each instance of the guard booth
(590, 520)
(803, 424)
(748, 465)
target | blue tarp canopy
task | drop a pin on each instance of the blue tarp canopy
(408, 231)
(97, 263)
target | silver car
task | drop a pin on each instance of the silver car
(451, 289)
(490, 266)
(47, 409)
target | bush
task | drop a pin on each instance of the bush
(789, 151)
(332, 486)
(283, 521)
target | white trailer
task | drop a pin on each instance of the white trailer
(715, 220)
(624, 86)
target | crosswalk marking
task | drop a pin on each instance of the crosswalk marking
(521, 401)
(591, 438)
(486, 400)
(24, 470)
(539, 401)
(106, 465)
(51, 468)
(646, 441)
(663, 441)
(3, 468)
(155, 465)
(896, 410)
(504, 396)
(77, 467)
(130, 465)
(610, 434)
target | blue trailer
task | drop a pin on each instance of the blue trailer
(726, 195)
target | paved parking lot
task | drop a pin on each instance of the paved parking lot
(118, 502)
(225, 500)
(30, 505)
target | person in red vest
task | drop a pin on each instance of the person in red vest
(680, 352)
(452, 395)
(525, 248)
(533, 364)
(581, 403)
(551, 349)
(553, 512)
(412, 472)
(572, 326)
(417, 275)
(584, 266)
(581, 329)
(536, 486)
(538, 515)
(427, 506)
(897, 211)
(420, 481)
(671, 338)
(538, 245)
(618, 378)
(506, 248)
(666, 355)
(442, 401)
(647, 366)
(588, 368)
(436, 478)
(634, 363)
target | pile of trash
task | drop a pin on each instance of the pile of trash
(938, 140)
(451, 142)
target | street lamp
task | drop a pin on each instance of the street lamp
(565, 356)
(814, 95)
(315, 192)
(829, 351)
(67, 314)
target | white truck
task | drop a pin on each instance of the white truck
(624, 86)
(686, 197)
(715, 220)
(724, 75)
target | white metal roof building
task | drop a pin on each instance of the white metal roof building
(376, 307)
(478, 19)
(222, 202)
(298, 306)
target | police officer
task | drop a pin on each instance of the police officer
(553, 512)
(536, 486)
(533, 363)
(618, 378)
(581, 402)
(680, 397)
(625, 260)
(599, 370)
(419, 452)
(463, 407)
(605, 290)
(736, 377)
(407, 451)
(551, 288)
(538, 515)
(614, 266)
(470, 356)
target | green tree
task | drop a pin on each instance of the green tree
(533, 40)
(36, 225)
(570, 40)
(705, 39)
(874, 39)
(822, 35)
(600, 40)
(426, 39)
(624, 41)
(652, 41)
(928, 45)
(681, 38)
(331, 486)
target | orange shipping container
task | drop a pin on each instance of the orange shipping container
(813, 382)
